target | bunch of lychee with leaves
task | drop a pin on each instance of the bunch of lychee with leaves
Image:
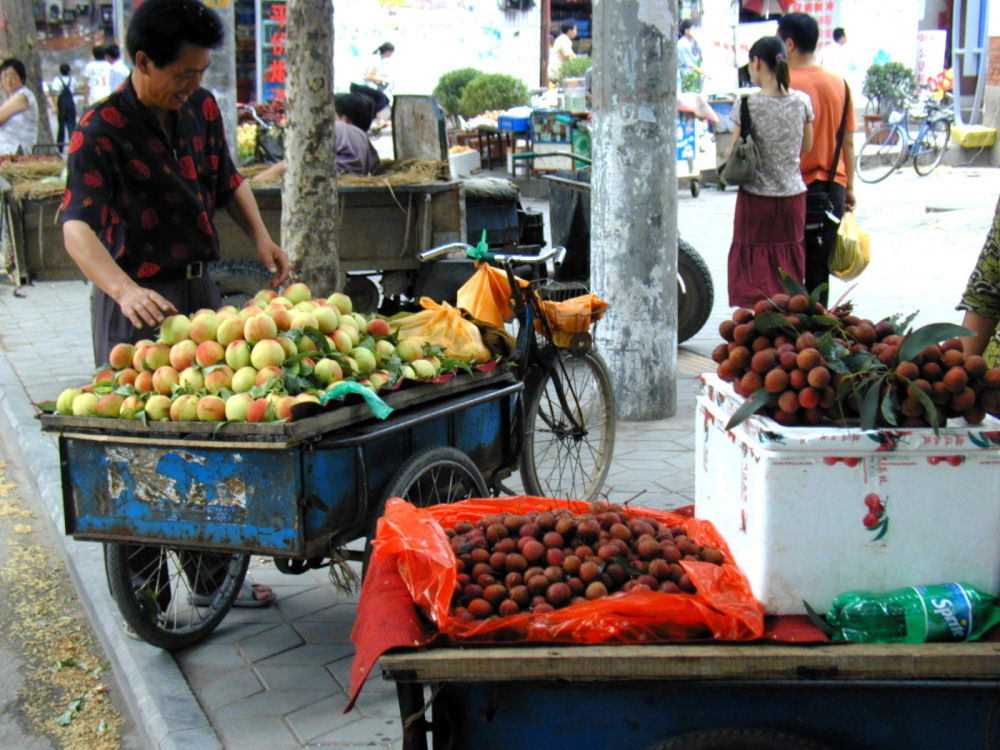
(253, 364)
(801, 364)
(540, 561)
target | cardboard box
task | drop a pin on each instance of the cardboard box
(791, 503)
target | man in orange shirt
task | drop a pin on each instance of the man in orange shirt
(829, 94)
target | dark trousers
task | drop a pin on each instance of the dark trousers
(379, 100)
(820, 240)
(66, 126)
(205, 572)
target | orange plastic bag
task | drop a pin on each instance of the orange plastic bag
(573, 315)
(486, 295)
(724, 607)
(443, 325)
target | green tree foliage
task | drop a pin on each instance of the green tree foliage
(450, 86)
(491, 91)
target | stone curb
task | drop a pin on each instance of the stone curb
(165, 710)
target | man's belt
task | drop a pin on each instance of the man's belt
(195, 270)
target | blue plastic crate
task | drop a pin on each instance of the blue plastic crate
(514, 124)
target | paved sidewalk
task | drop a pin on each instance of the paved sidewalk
(276, 677)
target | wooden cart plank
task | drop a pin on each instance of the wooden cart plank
(276, 434)
(857, 661)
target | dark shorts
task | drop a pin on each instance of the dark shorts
(109, 326)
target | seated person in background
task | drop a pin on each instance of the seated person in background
(355, 153)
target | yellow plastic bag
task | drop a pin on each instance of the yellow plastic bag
(853, 250)
(486, 295)
(443, 325)
(573, 315)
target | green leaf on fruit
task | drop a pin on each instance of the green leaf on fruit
(900, 323)
(771, 323)
(888, 407)
(882, 527)
(815, 294)
(920, 339)
(862, 362)
(623, 561)
(930, 410)
(48, 407)
(869, 405)
(368, 342)
(791, 284)
(751, 406)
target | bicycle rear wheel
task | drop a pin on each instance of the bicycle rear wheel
(883, 152)
(567, 451)
(931, 147)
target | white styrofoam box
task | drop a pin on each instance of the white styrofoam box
(791, 503)
(464, 164)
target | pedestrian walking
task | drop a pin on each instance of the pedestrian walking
(119, 70)
(97, 75)
(376, 82)
(61, 92)
(769, 224)
(828, 168)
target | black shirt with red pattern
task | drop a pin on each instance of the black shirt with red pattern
(150, 201)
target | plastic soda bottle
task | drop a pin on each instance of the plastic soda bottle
(916, 614)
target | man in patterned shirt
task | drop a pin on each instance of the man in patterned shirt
(148, 167)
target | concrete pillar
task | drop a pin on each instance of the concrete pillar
(633, 234)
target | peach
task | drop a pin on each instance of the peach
(283, 408)
(302, 319)
(410, 349)
(155, 356)
(121, 356)
(269, 373)
(384, 349)
(184, 408)
(282, 318)
(164, 379)
(143, 382)
(191, 379)
(85, 404)
(109, 405)
(250, 311)
(64, 404)
(258, 410)
(343, 341)
(158, 407)
(211, 409)
(297, 292)
(105, 376)
(365, 359)
(423, 368)
(204, 326)
(327, 318)
(328, 371)
(218, 378)
(244, 379)
(288, 345)
(378, 327)
(182, 354)
(260, 327)
(267, 352)
(238, 407)
(238, 354)
(131, 406)
(230, 329)
(265, 295)
(175, 328)
(342, 302)
(209, 353)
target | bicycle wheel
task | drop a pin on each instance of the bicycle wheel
(154, 588)
(883, 152)
(560, 459)
(931, 147)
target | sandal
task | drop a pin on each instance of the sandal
(248, 596)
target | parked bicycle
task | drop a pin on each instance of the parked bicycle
(569, 404)
(888, 148)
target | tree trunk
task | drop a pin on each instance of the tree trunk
(309, 210)
(19, 39)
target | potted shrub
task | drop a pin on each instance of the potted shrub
(450, 86)
(491, 91)
(887, 86)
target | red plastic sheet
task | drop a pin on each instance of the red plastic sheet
(723, 608)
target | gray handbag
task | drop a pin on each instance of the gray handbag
(741, 166)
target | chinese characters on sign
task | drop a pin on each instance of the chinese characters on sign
(273, 57)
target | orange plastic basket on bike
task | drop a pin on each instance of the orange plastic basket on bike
(573, 315)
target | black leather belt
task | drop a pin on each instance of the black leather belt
(190, 271)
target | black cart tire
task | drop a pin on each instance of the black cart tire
(695, 188)
(556, 460)
(179, 622)
(695, 291)
(739, 739)
(239, 280)
(431, 476)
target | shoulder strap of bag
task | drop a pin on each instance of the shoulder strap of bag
(745, 123)
(832, 171)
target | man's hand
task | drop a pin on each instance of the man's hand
(143, 306)
(276, 261)
(849, 201)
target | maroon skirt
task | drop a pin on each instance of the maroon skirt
(768, 234)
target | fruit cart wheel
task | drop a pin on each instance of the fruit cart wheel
(560, 459)
(430, 477)
(740, 738)
(695, 188)
(154, 590)
(695, 291)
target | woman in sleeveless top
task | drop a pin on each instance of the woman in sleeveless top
(19, 112)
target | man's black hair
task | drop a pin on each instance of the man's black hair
(686, 24)
(567, 26)
(17, 65)
(802, 29)
(359, 110)
(64, 69)
(839, 33)
(98, 52)
(112, 51)
(161, 27)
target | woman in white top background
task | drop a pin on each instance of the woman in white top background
(19, 112)
(375, 82)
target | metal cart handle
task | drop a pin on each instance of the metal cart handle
(461, 249)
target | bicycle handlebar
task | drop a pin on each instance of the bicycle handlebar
(451, 247)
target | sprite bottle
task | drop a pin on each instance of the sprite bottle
(917, 614)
